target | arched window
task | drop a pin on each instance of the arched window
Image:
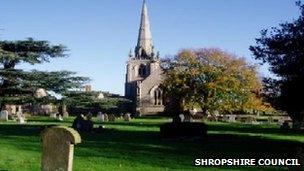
(142, 71)
(158, 97)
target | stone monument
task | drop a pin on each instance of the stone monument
(58, 148)
(20, 117)
(4, 115)
(100, 117)
(112, 118)
(127, 117)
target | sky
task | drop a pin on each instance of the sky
(100, 33)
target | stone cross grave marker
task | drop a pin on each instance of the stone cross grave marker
(58, 148)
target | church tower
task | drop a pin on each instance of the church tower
(144, 74)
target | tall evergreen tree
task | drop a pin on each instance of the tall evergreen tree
(282, 48)
(18, 86)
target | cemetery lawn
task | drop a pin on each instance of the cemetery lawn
(136, 146)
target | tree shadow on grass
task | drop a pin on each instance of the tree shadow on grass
(252, 129)
(21, 130)
(146, 147)
(48, 120)
(227, 145)
(137, 124)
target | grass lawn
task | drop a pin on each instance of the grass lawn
(136, 146)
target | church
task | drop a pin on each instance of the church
(143, 72)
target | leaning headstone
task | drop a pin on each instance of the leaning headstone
(4, 115)
(127, 117)
(58, 148)
(112, 118)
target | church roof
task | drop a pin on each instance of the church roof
(144, 48)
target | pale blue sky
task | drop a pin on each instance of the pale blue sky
(100, 33)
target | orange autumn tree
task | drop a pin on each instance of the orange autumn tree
(213, 80)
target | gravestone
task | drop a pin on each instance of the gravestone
(64, 111)
(232, 118)
(78, 122)
(20, 117)
(89, 116)
(229, 118)
(127, 117)
(59, 117)
(82, 124)
(106, 117)
(181, 117)
(251, 120)
(58, 148)
(112, 118)
(4, 115)
(100, 117)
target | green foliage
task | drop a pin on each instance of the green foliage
(213, 80)
(282, 48)
(28, 51)
(115, 105)
(84, 102)
(18, 86)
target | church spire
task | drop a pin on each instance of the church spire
(144, 48)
